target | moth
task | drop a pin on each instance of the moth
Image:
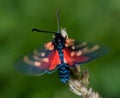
(62, 54)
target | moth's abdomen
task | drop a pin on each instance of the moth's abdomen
(64, 72)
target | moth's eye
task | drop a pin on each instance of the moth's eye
(64, 33)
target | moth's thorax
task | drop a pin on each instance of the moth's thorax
(59, 41)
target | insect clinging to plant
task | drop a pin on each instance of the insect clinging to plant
(61, 53)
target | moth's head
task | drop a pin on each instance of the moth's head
(63, 34)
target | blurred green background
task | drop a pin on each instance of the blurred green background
(96, 21)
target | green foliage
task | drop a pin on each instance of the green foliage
(89, 20)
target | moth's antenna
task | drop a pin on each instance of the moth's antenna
(58, 24)
(58, 20)
(34, 29)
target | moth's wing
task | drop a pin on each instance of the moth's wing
(42, 60)
(81, 52)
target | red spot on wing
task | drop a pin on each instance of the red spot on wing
(51, 63)
(54, 60)
(67, 56)
(71, 60)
